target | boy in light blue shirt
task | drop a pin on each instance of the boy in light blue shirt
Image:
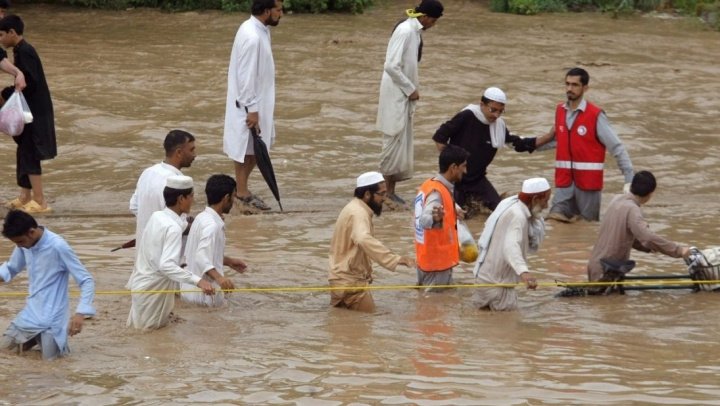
(50, 262)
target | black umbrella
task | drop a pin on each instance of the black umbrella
(129, 244)
(262, 158)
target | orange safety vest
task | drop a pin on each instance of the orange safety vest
(436, 248)
(580, 156)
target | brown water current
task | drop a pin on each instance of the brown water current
(121, 80)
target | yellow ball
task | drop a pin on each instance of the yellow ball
(468, 252)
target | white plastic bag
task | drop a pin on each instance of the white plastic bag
(468, 247)
(14, 114)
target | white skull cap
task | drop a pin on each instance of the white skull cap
(369, 178)
(535, 185)
(179, 182)
(495, 94)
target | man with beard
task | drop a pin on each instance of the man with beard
(353, 246)
(148, 197)
(480, 130)
(250, 101)
(399, 92)
(436, 214)
(512, 230)
(582, 133)
(205, 248)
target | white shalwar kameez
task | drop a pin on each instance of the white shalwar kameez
(157, 267)
(251, 85)
(395, 110)
(205, 250)
(506, 259)
(148, 197)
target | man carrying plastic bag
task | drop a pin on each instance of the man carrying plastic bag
(37, 141)
(14, 114)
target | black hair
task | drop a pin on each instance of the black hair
(175, 139)
(584, 76)
(643, 184)
(360, 191)
(17, 223)
(259, 6)
(171, 195)
(12, 22)
(452, 154)
(219, 186)
(5, 4)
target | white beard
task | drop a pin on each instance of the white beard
(537, 211)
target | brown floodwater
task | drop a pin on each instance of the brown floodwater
(120, 80)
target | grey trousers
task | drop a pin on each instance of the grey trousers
(571, 201)
(437, 278)
(16, 339)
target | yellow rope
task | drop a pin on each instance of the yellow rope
(648, 282)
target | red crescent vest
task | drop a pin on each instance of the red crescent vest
(436, 248)
(580, 157)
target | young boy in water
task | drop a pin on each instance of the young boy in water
(37, 141)
(50, 262)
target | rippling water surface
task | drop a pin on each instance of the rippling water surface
(121, 80)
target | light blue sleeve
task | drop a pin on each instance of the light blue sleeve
(13, 266)
(82, 277)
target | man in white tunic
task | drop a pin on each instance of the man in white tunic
(250, 99)
(399, 93)
(512, 230)
(205, 249)
(157, 266)
(148, 197)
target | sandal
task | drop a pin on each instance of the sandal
(254, 201)
(33, 207)
(16, 203)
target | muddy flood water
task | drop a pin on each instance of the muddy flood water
(121, 80)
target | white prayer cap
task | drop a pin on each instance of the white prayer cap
(535, 185)
(179, 182)
(495, 94)
(369, 178)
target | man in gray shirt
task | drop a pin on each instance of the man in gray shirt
(624, 228)
(581, 135)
